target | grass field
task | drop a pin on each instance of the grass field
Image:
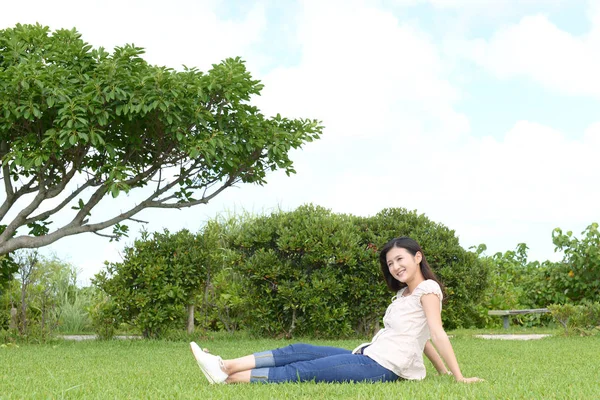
(551, 368)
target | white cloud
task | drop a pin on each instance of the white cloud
(495, 191)
(488, 9)
(592, 135)
(363, 73)
(395, 139)
(537, 49)
(493, 5)
(393, 136)
(175, 33)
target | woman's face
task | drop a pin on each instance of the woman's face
(403, 266)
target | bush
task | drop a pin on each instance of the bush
(292, 262)
(156, 281)
(72, 311)
(515, 283)
(573, 280)
(104, 317)
(308, 272)
(581, 319)
(578, 278)
(225, 306)
(543, 284)
(313, 272)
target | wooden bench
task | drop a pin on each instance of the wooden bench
(506, 314)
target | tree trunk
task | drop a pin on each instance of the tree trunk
(23, 316)
(190, 322)
(13, 318)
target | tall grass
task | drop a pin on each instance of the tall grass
(72, 315)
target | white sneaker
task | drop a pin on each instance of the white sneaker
(209, 364)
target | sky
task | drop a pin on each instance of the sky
(482, 115)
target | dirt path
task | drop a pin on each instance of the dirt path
(513, 337)
(92, 337)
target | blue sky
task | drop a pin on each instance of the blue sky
(483, 115)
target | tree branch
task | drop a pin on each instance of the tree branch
(66, 201)
(49, 193)
(102, 190)
(8, 188)
(105, 235)
(57, 189)
(9, 201)
(12, 244)
(22, 216)
(91, 203)
(203, 200)
(139, 221)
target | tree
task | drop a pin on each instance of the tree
(41, 287)
(80, 124)
(28, 264)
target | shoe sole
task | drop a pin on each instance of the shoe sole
(194, 347)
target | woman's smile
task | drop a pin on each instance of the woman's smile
(401, 263)
(400, 274)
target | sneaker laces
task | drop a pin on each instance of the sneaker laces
(221, 363)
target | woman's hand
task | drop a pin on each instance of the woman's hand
(470, 380)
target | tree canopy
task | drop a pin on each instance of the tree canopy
(78, 124)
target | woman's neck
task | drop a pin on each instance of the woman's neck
(412, 285)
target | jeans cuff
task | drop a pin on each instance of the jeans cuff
(259, 375)
(264, 359)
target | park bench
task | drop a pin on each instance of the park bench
(506, 314)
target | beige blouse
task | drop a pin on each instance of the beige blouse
(399, 345)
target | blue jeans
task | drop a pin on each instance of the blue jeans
(304, 362)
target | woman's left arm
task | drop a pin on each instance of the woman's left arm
(435, 359)
(431, 306)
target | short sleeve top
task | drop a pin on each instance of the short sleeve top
(399, 345)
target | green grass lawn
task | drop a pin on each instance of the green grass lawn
(551, 368)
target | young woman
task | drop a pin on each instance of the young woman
(395, 352)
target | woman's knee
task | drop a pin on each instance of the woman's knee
(300, 347)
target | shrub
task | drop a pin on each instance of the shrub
(156, 281)
(581, 319)
(308, 272)
(226, 303)
(292, 262)
(543, 284)
(579, 273)
(313, 272)
(104, 317)
(515, 283)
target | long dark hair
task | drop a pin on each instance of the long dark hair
(410, 245)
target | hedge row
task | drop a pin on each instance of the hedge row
(304, 272)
